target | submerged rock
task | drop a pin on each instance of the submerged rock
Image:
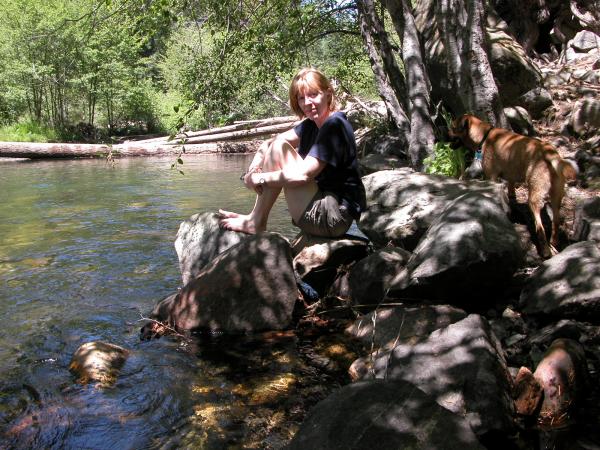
(98, 361)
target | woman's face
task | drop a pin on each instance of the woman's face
(314, 105)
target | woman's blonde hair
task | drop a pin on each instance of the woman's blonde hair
(308, 79)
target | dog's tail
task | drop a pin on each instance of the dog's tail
(565, 168)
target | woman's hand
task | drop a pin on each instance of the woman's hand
(252, 181)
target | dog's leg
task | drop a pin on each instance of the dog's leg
(557, 193)
(535, 205)
(511, 190)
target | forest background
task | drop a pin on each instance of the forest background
(70, 68)
(88, 70)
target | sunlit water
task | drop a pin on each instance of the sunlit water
(86, 248)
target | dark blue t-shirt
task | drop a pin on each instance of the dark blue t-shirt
(334, 143)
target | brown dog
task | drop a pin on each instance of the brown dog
(517, 159)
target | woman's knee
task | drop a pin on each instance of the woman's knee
(280, 153)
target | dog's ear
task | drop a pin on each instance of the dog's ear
(465, 123)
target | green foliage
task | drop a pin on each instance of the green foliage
(27, 132)
(161, 65)
(446, 161)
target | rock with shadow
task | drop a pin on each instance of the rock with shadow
(462, 366)
(386, 415)
(370, 277)
(249, 287)
(318, 259)
(402, 204)
(387, 327)
(566, 285)
(587, 221)
(199, 240)
(470, 250)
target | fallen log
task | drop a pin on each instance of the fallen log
(254, 133)
(237, 126)
(43, 150)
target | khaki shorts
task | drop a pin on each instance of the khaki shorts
(325, 217)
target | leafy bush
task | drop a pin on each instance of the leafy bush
(446, 160)
(27, 132)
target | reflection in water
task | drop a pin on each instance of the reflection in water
(85, 250)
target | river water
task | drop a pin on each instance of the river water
(86, 249)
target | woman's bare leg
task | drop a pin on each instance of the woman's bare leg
(279, 156)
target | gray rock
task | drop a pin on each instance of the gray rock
(585, 116)
(462, 366)
(519, 120)
(370, 277)
(249, 287)
(587, 221)
(199, 240)
(536, 101)
(393, 143)
(386, 327)
(385, 415)
(375, 162)
(566, 285)
(585, 41)
(470, 250)
(318, 259)
(402, 204)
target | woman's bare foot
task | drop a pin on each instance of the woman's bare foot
(228, 214)
(242, 223)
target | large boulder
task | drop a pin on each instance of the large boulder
(566, 285)
(199, 240)
(249, 287)
(382, 414)
(402, 204)
(386, 327)
(370, 277)
(462, 366)
(470, 250)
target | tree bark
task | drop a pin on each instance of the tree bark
(485, 101)
(462, 25)
(368, 27)
(422, 136)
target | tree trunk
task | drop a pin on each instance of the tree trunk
(368, 27)
(463, 34)
(485, 101)
(422, 135)
(451, 18)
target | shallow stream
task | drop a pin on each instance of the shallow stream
(86, 249)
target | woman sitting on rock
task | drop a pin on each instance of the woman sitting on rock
(315, 164)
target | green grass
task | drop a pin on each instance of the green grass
(27, 132)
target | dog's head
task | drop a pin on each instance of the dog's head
(461, 129)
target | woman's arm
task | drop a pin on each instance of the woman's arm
(295, 175)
